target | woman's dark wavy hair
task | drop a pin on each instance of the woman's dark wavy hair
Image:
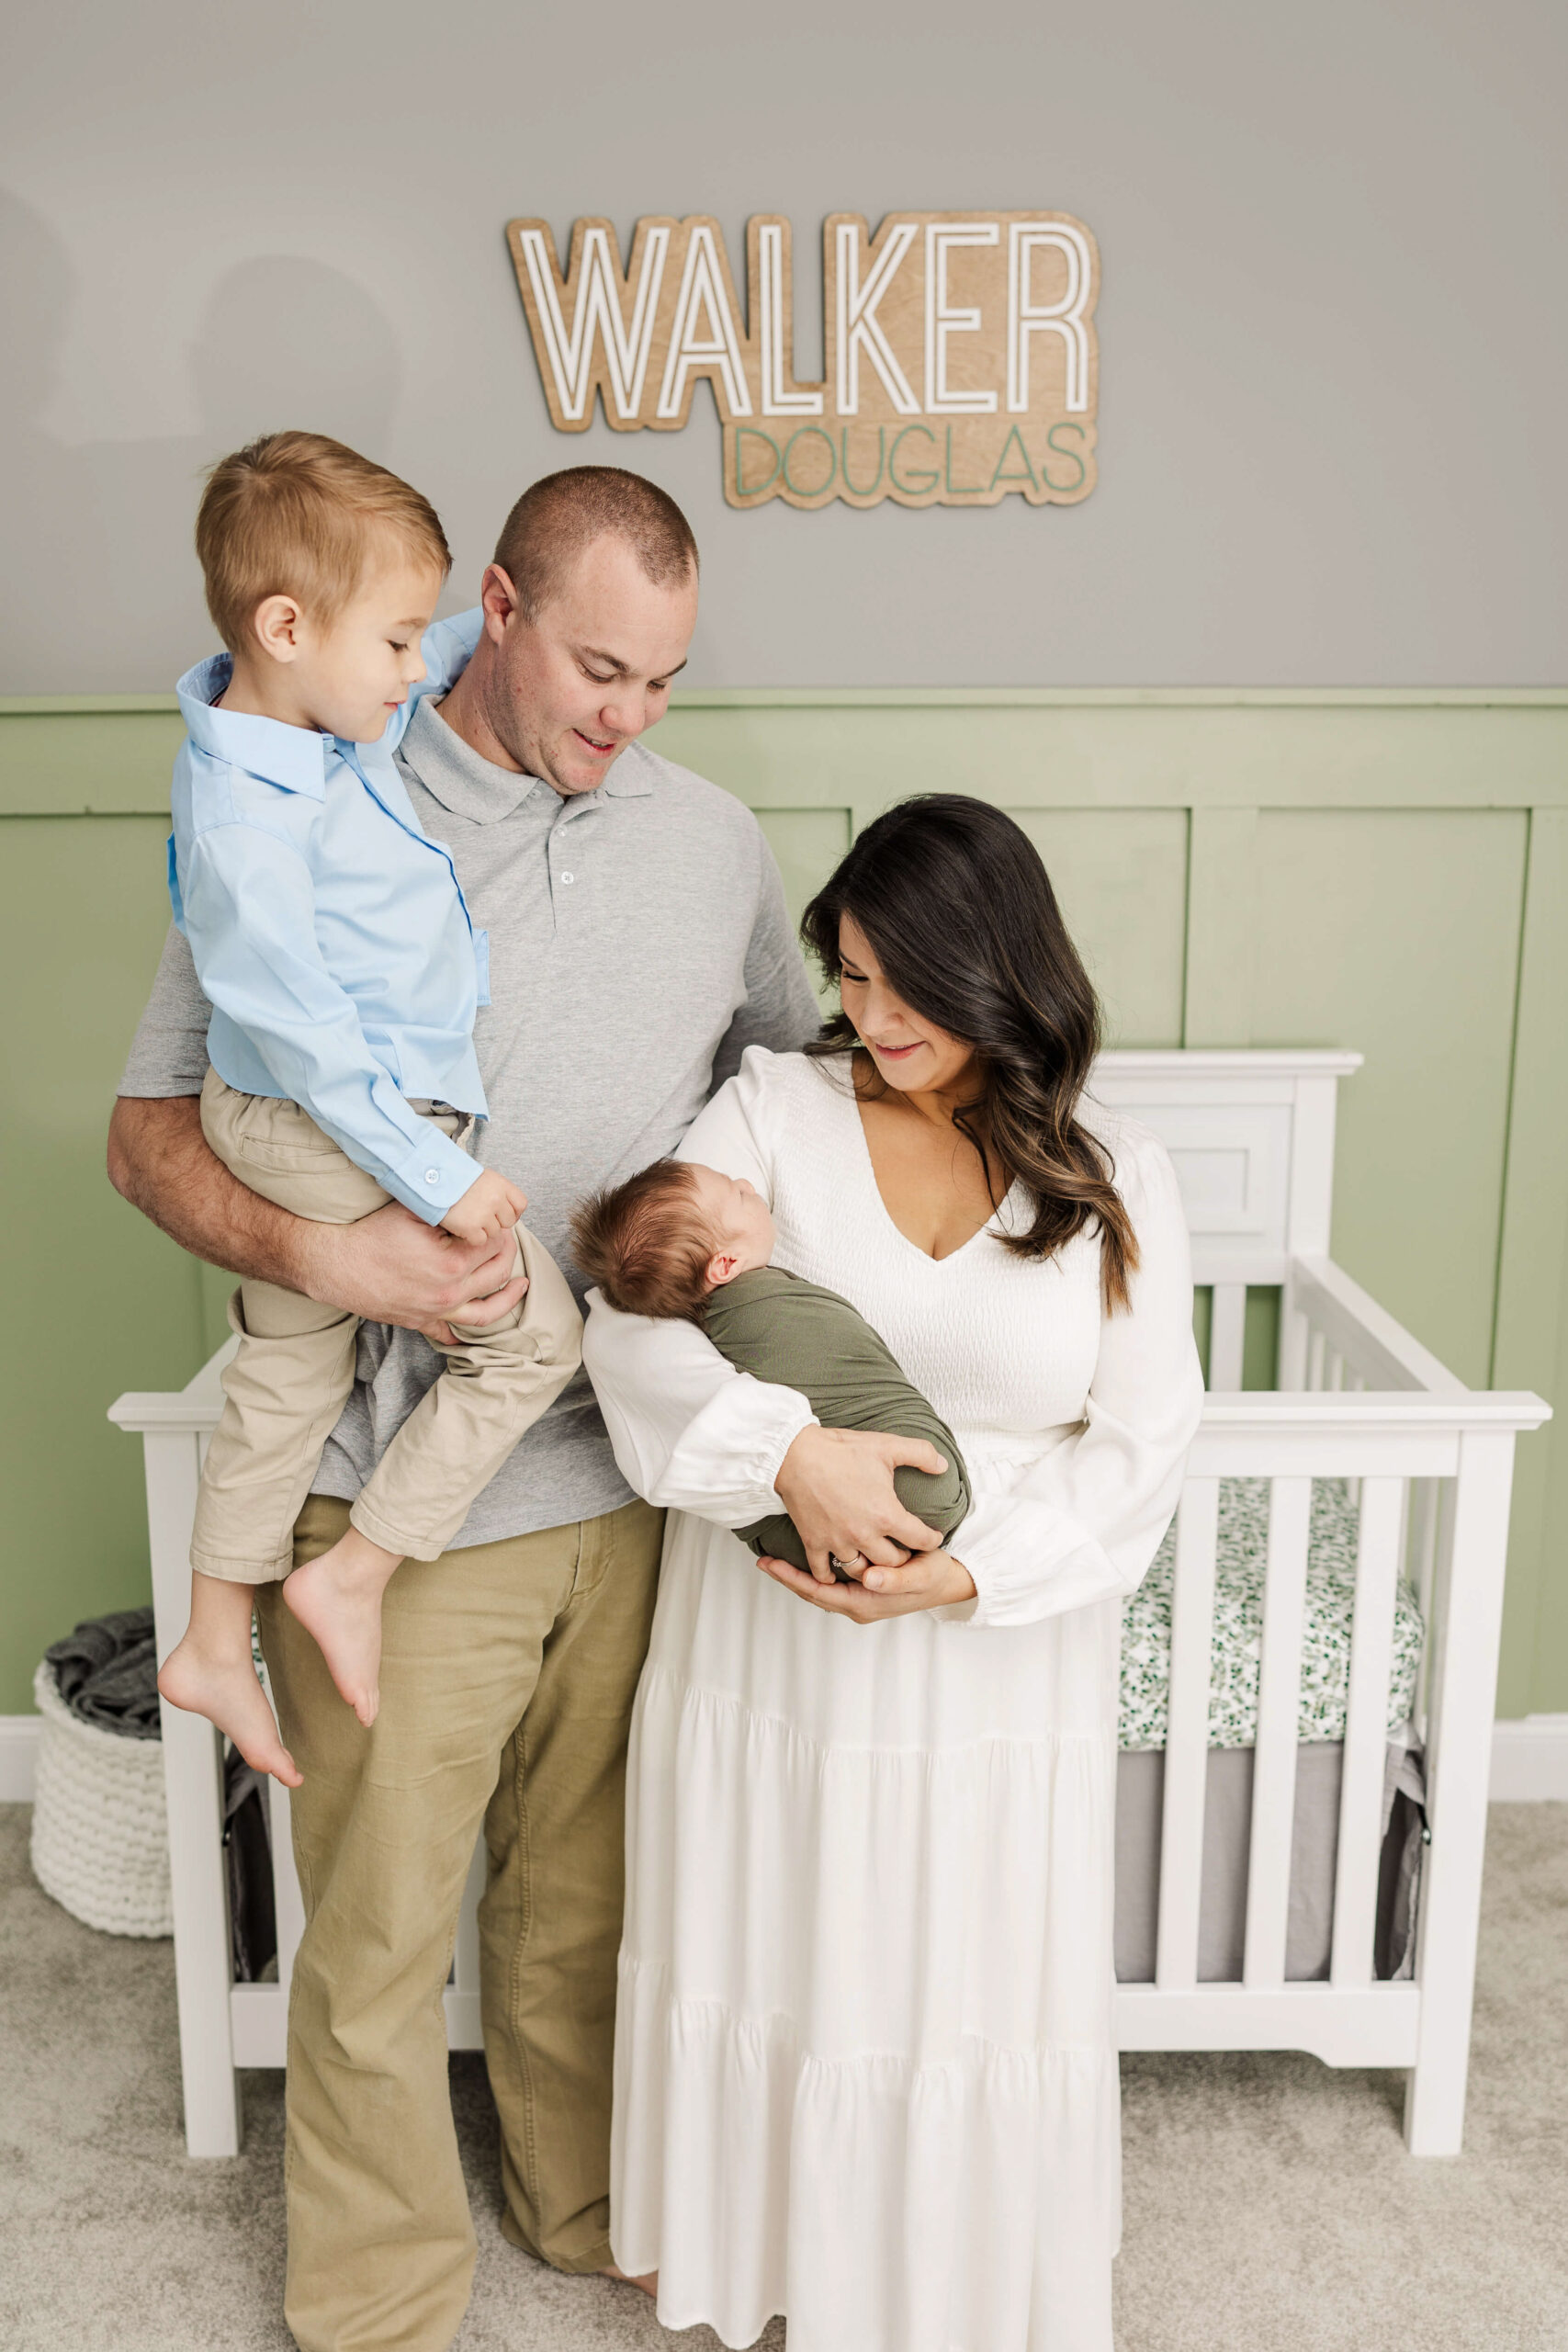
(960, 912)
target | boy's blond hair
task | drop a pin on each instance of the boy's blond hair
(296, 514)
(646, 1242)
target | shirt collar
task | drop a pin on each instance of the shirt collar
(294, 757)
(453, 772)
(629, 779)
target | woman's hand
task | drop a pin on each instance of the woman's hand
(837, 1486)
(926, 1580)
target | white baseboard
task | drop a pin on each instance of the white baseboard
(19, 1746)
(1529, 1760)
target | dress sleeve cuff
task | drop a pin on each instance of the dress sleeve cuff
(1027, 1560)
(749, 1427)
(794, 1414)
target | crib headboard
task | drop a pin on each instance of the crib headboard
(1251, 1136)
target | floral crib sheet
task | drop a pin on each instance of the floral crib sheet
(1236, 1653)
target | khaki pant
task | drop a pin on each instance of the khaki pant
(295, 1368)
(507, 1676)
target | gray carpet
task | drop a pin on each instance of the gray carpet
(1271, 2206)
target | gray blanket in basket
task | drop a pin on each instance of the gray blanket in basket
(106, 1672)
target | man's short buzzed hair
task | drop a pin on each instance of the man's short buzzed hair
(555, 518)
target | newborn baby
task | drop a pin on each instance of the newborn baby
(683, 1240)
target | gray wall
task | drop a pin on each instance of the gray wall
(1333, 334)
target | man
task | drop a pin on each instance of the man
(639, 943)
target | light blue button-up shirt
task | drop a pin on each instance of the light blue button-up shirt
(328, 930)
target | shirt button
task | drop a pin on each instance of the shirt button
(568, 878)
(432, 1176)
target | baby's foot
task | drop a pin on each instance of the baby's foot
(227, 1692)
(337, 1599)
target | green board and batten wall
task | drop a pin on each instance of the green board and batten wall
(1376, 869)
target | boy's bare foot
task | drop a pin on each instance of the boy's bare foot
(649, 2282)
(226, 1692)
(337, 1599)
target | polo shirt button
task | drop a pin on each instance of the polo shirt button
(432, 1176)
(568, 878)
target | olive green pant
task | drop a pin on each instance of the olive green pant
(508, 1672)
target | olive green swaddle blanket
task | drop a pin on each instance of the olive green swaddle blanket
(793, 1334)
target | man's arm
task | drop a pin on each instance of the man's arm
(161, 1163)
(780, 1011)
(390, 1267)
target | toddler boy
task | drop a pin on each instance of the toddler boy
(332, 940)
(683, 1240)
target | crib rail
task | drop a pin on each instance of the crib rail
(1430, 1465)
(1335, 1336)
(1275, 1753)
(1434, 1461)
(225, 2026)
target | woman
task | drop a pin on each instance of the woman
(865, 2067)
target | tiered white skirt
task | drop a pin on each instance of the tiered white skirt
(864, 2073)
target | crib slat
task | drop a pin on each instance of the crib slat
(1317, 1348)
(1420, 1566)
(1421, 1541)
(1274, 1761)
(192, 1783)
(1227, 1335)
(1186, 1734)
(1295, 1338)
(1355, 1382)
(1365, 1731)
(287, 1903)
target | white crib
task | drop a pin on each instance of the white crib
(1252, 1138)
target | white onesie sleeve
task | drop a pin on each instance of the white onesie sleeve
(1085, 1522)
(690, 1431)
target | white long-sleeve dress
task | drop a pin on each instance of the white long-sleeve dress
(864, 2073)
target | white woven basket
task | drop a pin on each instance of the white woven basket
(100, 1826)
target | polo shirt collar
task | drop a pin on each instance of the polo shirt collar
(453, 772)
(292, 757)
(629, 778)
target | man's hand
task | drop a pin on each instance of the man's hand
(490, 1206)
(393, 1267)
(837, 1486)
(927, 1580)
(390, 1267)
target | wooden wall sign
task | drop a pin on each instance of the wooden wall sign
(962, 361)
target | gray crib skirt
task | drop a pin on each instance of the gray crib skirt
(1227, 1821)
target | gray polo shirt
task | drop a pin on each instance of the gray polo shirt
(638, 943)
